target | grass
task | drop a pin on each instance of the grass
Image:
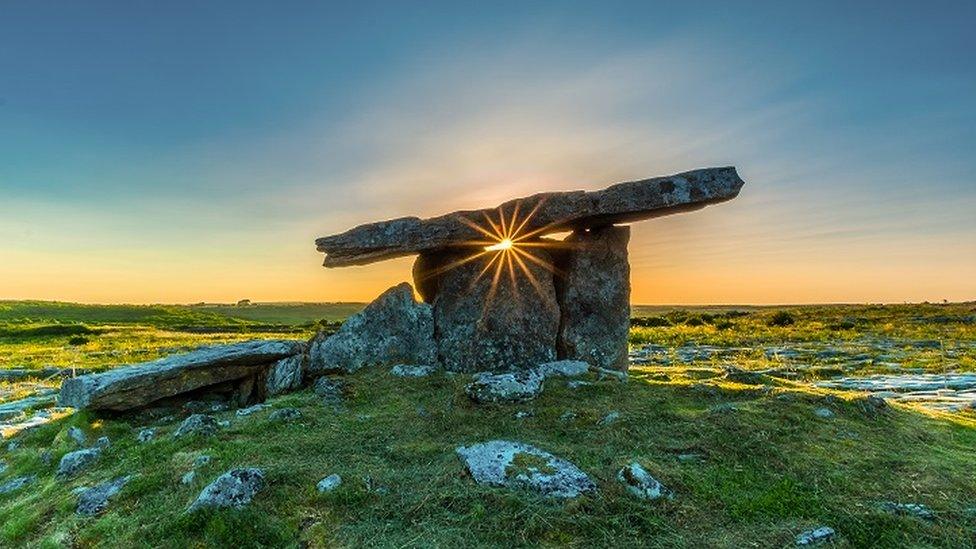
(748, 465)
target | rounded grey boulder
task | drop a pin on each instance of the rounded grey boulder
(235, 488)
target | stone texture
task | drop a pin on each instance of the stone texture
(286, 375)
(16, 483)
(285, 414)
(412, 370)
(93, 501)
(518, 465)
(235, 488)
(593, 290)
(815, 536)
(136, 386)
(329, 483)
(77, 435)
(73, 463)
(146, 435)
(506, 387)
(490, 318)
(563, 368)
(639, 482)
(393, 329)
(197, 424)
(551, 212)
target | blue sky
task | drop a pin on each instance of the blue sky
(178, 152)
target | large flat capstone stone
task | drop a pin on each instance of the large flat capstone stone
(136, 386)
(536, 214)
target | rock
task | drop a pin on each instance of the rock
(576, 383)
(551, 212)
(610, 418)
(95, 500)
(522, 414)
(16, 483)
(393, 329)
(564, 368)
(201, 461)
(824, 413)
(188, 478)
(146, 435)
(103, 442)
(568, 415)
(286, 375)
(219, 407)
(817, 535)
(639, 482)
(689, 458)
(372, 486)
(198, 424)
(491, 312)
(138, 385)
(329, 389)
(518, 465)
(510, 387)
(916, 510)
(73, 463)
(285, 414)
(251, 409)
(412, 370)
(77, 435)
(745, 377)
(235, 488)
(3, 467)
(329, 483)
(593, 290)
(12, 445)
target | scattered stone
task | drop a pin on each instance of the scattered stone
(422, 411)
(146, 435)
(639, 482)
(723, 408)
(824, 413)
(138, 385)
(251, 409)
(576, 383)
(188, 478)
(916, 510)
(522, 414)
(224, 423)
(412, 370)
(16, 483)
(817, 535)
(13, 445)
(201, 461)
(593, 291)
(568, 415)
(509, 387)
(329, 389)
(77, 435)
(514, 464)
(286, 375)
(610, 418)
(198, 424)
(393, 329)
(219, 407)
(3, 467)
(74, 462)
(565, 368)
(329, 483)
(285, 414)
(235, 488)
(372, 486)
(689, 458)
(95, 500)
(103, 442)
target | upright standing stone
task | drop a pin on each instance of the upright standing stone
(488, 315)
(593, 289)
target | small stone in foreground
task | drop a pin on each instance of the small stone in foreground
(816, 535)
(916, 510)
(639, 482)
(509, 387)
(16, 483)
(329, 483)
(518, 465)
(412, 370)
(235, 488)
(103, 442)
(146, 435)
(200, 461)
(198, 424)
(93, 501)
(329, 389)
(188, 478)
(77, 435)
(565, 368)
(824, 413)
(285, 414)
(73, 462)
(610, 418)
(250, 410)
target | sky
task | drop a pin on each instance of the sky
(176, 152)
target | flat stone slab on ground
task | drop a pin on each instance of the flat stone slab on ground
(508, 387)
(514, 464)
(95, 500)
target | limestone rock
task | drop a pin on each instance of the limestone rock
(639, 482)
(286, 375)
(488, 317)
(514, 464)
(103, 442)
(250, 410)
(329, 483)
(16, 483)
(197, 424)
(563, 368)
(393, 329)
(146, 435)
(285, 414)
(188, 478)
(508, 387)
(593, 289)
(916, 510)
(552, 212)
(73, 463)
(412, 370)
(136, 386)
(235, 488)
(816, 535)
(77, 435)
(329, 389)
(93, 501)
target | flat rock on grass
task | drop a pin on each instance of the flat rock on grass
(639, 482)
(329, 483)
(235, 488)
(508, 387)
(518, 465)
(73, 463)
(412, 370)
(95, 500)
(817, 535)
(285, 414)
(16, 483)
(198, 424)
(564, 368)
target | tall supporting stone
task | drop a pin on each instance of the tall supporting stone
(488, 312)
(593, 290)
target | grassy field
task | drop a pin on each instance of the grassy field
(750, 464)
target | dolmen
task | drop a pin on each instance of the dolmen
(500, 295)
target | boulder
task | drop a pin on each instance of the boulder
(549, 212)
(77, 435)
(518, 465)
(639, 482)
(393, 329)
(138, 385)
(235, 488)
(496, 311)
(73, 463)
(593, 290)
(505, 388)
(16, 483)
(197, 424)
(93, 501)
(286, 375)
